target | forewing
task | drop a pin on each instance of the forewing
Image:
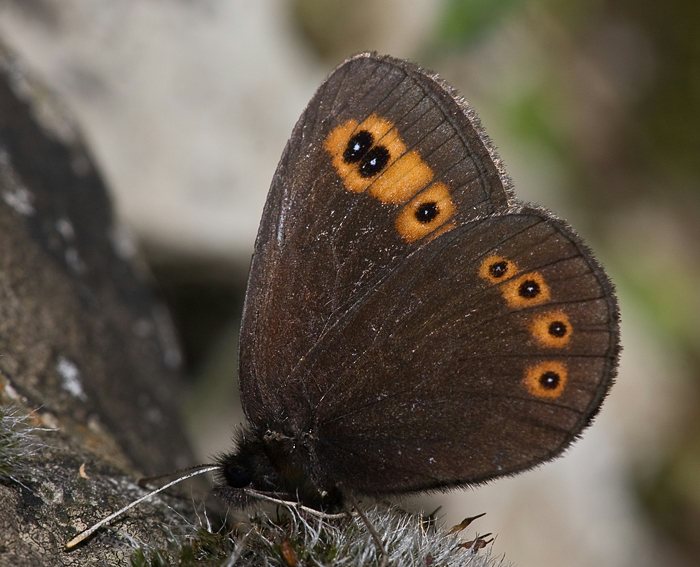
(330, 233)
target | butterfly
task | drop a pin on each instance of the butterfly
(409, 325)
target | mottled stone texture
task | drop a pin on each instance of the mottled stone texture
(85, 351)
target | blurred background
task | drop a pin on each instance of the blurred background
(595, 108)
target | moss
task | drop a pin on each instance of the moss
(292, 537)
(19, 443)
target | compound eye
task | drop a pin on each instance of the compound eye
(236, 476)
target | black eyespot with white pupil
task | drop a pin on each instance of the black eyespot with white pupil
(427, 212)
(558, 329)
(358, 146)
(550, 380)
(374, 161)
(529, 289)
(498, 269)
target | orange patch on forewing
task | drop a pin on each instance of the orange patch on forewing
(447, 227)
(407, 223)
(404, 174)
(485, 270)
(335, 144)
(405, 178)
(383, 133)
(377, 126)
(552, 329)
(516, 295)
(546, 379)
(402, 179)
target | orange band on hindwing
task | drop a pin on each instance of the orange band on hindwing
(526, 290)
(497, 269)
(546, 379)
(552, 329)
(549, 329)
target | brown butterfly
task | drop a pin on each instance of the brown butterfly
(408, 324)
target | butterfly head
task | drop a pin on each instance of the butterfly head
(274, 463)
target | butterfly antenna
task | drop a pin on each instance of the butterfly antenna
(144, 481)
(82, 536)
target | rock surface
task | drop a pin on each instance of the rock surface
(88, 365)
